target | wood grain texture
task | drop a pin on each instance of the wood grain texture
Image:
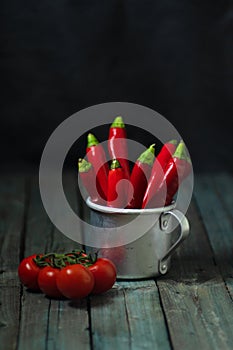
(214, 197)
(190, 307)
(34, 321)
(68, 325)
(34, 306)
(12, 203)
(195, 299)
(45, 323)
(129, 317)
(196, 315)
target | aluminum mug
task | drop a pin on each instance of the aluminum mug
(148, 256)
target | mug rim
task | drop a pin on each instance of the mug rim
(110, 210)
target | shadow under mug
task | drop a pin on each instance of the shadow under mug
(148, 256)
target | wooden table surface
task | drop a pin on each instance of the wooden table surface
(188, 308)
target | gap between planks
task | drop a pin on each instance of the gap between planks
(57, 327)
(214, 200)
(197, 306)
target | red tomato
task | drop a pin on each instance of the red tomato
(104, 272)
(75, 281)
(47, 282)
(28, 272)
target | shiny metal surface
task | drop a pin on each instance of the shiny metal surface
(150, 255)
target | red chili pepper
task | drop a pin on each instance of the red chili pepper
(117, 195)
(118, 148)
(87, 175)
(96, 156)
(140, 175)
(166, 153)
(175, 172)
(183, 166)
(157, 172)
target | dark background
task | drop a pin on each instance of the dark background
(174, 56)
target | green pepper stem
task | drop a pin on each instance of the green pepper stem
(91, 140)
(84, 166)
(115, 164)
(147, 157)
(118, 123)
(180, 151)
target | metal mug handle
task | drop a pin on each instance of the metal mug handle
(184, 232)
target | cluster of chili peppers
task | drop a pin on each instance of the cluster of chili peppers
(154, 180)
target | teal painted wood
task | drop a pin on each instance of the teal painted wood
(50, 326)
(224, 187)
(129, 317)
(196, 303)
(59, 242)
(34, 321)
(68, 326)
(39, 229)
(12, 202)
(41, 234)
(68, 321)
(198, 315)
(34, 306)
(214, 200)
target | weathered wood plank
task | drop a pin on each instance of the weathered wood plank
(198, 315)
(58, 241)
(224, 187)
(68, 326)
(129, 317)
(53, 323)
(38, 230)
(12, 205)
(41, 234)
(34, 306)
(34, 320)
(196, 303)
(214, 199)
